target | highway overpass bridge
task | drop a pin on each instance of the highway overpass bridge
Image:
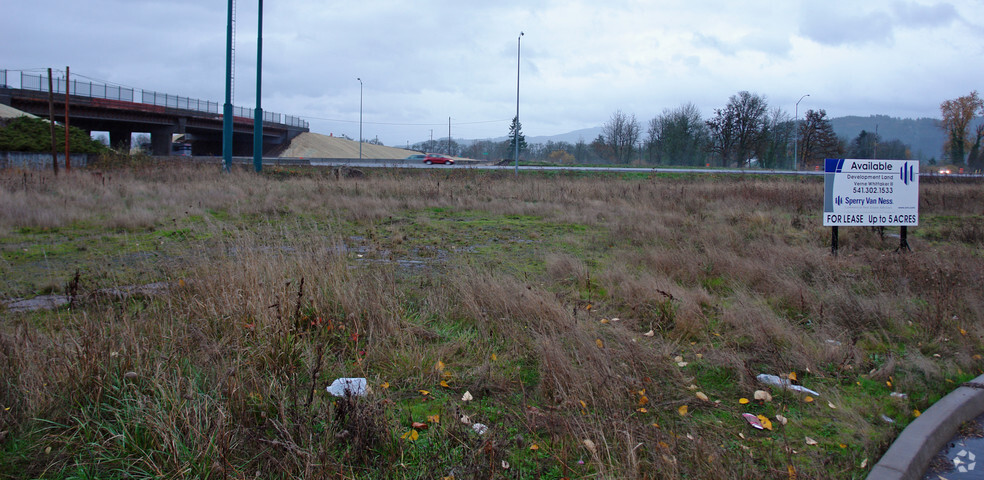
(121, 111)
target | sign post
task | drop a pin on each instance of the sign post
(866, 193)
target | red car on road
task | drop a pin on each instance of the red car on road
(432, 158)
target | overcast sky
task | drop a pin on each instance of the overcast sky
(424, 61)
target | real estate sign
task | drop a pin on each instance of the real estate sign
(870, 192)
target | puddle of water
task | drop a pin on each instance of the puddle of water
(961, 458)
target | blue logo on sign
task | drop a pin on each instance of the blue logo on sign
(908, 173)
(838, 200)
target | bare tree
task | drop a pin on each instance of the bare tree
(817, 139)
(777, 133)
(678, 136)
(621, 133)
(738, 128)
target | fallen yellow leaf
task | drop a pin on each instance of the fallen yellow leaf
(792, 472)
(889, 383)
(743, 400)
(434, 418)
(583, 405)
(494, 357)
(599, 343)
(916, 413)
(439, 366)
(963, 332)
(807, 399)
(682, 410)
(424, 392)
(765, 422)
(843, 445)
(643, 400)
(588, 307)
(792, 376)
(385, 385)
(181, 283)
(534, 447)
(642, 410)
(445, 384)
(604, 320)
(412, 435)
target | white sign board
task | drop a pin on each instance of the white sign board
(870, 192)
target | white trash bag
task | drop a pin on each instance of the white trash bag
(356, 387)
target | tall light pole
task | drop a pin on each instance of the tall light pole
(227, 106)
(258, 112)
(796, 131)
(519, 43)
(360, 117)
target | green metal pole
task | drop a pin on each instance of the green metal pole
(227, 108)
(519, 43)
(258, 114)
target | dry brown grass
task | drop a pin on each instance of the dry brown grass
(286, 281)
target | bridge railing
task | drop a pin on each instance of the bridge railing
(174, 101)
(39, 83)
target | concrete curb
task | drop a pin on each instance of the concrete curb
(910, 454)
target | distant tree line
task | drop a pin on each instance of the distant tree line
(745, 132)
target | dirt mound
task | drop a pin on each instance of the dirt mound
(11, 112)
(315, 145)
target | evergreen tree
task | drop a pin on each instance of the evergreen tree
(515, 127)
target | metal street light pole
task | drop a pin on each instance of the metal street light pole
(360, 117)
(519, 42)
(258, 112)
(796, 138)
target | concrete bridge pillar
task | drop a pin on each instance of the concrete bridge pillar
(120, 138)
(160, 140)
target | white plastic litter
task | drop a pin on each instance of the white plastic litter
(480, 428)
(887, 419)
(899, 395)
(355, 387)
(783, 383)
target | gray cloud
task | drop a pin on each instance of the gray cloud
(914, 15)
(424, 61)
(829, 26)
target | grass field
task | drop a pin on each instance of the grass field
(604, 325)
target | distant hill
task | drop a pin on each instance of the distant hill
(923, 135)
